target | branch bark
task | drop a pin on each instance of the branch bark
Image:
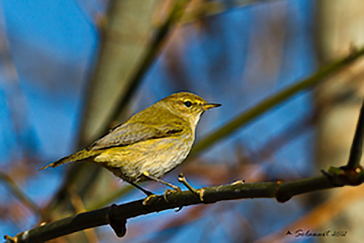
(116, 216)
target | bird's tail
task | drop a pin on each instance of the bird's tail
(80, 155)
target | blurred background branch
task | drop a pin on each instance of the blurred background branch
(19, 194)
(278, 98)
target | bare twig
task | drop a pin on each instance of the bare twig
(211, 8)
(117, 215)
(357, 146)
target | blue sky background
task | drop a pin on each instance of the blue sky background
(52, 45)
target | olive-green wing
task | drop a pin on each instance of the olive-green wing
(130, 133)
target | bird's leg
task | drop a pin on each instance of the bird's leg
(176, 188)
(198, 192)
(148, 193)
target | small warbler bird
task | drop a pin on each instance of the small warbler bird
(150, 144)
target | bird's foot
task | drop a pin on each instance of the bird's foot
(169, 191)
(149, 199)
(198, 192)
(175, 188)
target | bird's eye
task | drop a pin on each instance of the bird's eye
(187, 103)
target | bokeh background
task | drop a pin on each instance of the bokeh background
(70, 70)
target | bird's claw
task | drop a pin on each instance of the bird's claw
(169, 191)
(149, 199)
(238, 182)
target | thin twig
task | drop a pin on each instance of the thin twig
(212, 8)
(357, 146)
(274, 100)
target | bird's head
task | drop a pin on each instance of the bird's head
(186, 105)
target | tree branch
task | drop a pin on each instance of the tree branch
(116, 216)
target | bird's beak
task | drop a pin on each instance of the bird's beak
(208, 106)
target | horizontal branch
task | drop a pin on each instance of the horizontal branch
(116, 216)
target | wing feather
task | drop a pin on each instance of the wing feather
(130, 133)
